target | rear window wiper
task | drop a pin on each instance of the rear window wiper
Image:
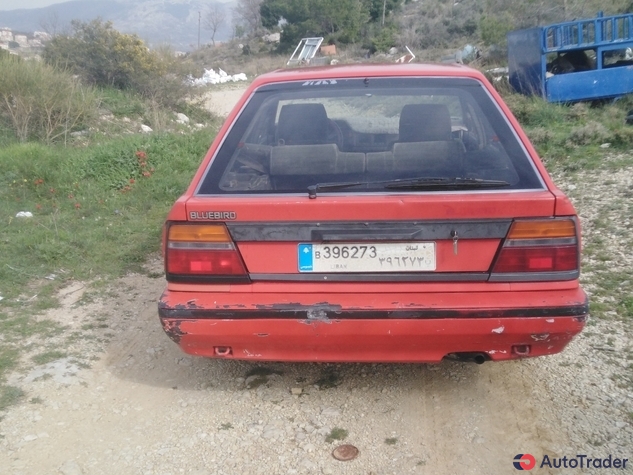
(456, 183)
(427, 183)
(313, 189)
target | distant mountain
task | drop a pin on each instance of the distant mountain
(174, 22)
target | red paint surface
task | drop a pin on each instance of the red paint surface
(375, 340)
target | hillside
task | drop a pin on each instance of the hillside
(421, 25)
(156, 21)
(437, 24)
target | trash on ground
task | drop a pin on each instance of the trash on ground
(24, 214)
(305, 51)
(211, 77)
(345, 452)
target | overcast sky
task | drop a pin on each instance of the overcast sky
(19, 4)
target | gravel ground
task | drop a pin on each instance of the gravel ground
(132, 403)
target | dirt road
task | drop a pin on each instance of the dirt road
(143, 407)
(146, 408)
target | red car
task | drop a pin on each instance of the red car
(392, 213)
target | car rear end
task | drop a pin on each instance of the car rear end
(372, 214)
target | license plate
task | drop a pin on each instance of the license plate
(364, 257)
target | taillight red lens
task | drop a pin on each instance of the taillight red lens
(539, 245)
(194, 262)
(202, 253)
(537, 259)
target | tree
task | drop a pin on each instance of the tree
(214, 20)
(380, 9)
(339, 20)
(247, 14)
(52, 24)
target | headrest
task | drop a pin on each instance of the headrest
(302, 124)
(424, 123)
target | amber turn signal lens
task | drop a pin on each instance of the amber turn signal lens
(199, 233)
(551, 228)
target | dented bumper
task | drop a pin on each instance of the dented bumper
(412, 328)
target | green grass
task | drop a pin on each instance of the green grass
(97, 214)
(122, 103)
(10, 395)
(48, 356)
(336, 434)
(568, 137)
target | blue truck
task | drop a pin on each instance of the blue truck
(580, 60)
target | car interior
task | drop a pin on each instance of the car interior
(304, 146)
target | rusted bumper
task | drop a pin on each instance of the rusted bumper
(287, 331)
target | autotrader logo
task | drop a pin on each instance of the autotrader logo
(528, 462)
(524, 462)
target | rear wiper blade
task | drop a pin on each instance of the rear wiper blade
(412, 184)
(313, 189)
(440, 183)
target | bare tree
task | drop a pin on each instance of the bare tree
(214, 20)
(247, 14)
(52, 24)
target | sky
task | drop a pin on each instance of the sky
(19, 4)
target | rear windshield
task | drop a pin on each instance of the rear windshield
(369, 134)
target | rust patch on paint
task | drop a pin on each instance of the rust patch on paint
(172, 329)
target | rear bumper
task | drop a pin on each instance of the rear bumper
(501, 326)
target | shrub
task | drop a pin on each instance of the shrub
(104, 57)
(493, 30)
(590, 133)
(39, 102)
(384, 40)
(578, 111)
(540, 135)
(168, 89)
(101, 55)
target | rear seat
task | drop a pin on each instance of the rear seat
(424, 145)
(302, 147)
(323, 159)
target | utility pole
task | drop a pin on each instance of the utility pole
(384, 7)
(199, 16)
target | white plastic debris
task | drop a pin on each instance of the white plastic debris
(182, 118)
(146, 129)
(24, 214)
(1, 297)
(211, 77)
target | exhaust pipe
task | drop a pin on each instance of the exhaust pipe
(469, 357)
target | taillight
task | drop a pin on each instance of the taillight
(546, 249)
(202, 252)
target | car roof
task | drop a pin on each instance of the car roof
(367, 70)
